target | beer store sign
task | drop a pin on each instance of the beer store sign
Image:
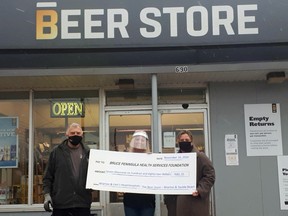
(65, 108)
(130, 23)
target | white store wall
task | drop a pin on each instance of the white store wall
(250, 189)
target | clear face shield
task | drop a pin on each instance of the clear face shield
(139, 142)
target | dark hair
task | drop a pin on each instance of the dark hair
(184, 132)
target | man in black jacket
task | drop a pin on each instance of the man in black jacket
(65, 177)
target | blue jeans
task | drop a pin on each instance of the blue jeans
(139, 211)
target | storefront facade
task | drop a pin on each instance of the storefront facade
(126, 66)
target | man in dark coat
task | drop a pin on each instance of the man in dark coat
(196, 204)
(65, 177)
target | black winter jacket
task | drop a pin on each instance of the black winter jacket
(60, 183)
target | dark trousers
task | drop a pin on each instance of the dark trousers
(171, 204)
(149, 211)
(71, 212)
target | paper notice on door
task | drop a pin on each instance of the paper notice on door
(231, 150)
(169, 139)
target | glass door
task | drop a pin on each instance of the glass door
(172, 122)
(120, 127)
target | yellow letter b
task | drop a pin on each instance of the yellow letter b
(46, 29)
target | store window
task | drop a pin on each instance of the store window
(128, 97)
(52, 113)
(173, 123)
(182, 95)
(14, 137)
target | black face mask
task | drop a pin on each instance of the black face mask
(185, 146)
(75, 140)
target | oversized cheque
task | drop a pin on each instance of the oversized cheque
(142, 173)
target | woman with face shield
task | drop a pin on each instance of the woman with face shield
(139, 204)
(139, 142)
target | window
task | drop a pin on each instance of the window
(53, 112)
(176, 95)
(129, 97)
(14, 137)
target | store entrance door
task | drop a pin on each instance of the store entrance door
(171, 122)
(120, 127)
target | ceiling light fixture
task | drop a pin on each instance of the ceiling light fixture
(275, 77)
(125, 83)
